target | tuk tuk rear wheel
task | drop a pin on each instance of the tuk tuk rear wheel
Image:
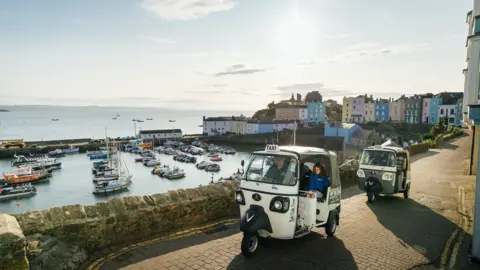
(331, 226)
(250, 243)
(371, 196)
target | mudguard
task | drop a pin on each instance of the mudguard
(255, 219)
(372, 184)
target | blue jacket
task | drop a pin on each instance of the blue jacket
(318, 182)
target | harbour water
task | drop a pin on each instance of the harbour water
(73, 183)
(34, 123)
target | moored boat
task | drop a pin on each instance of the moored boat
(176, 173)
(16, 192)
(71, 150)
(216, 158)
(202, 165)
(47, 163)
(212, 168)
(56, 153)
(151, 163)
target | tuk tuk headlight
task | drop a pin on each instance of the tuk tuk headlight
(280, 204)
(387, 176)
(239, 198)
(360, 173)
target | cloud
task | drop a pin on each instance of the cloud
(201, 54)
(308, 63)
(222, 89)
(339, 36)
(184, 10)
(158, 39)
(239, 69)
(374, 49)
(300, 87)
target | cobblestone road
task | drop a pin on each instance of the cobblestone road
(393, 233)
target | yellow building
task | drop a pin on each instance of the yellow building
(347, 109)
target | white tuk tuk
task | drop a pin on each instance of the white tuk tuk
(274, 198)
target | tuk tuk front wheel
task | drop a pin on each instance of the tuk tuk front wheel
(331, 226)
(250, 243)
(406, 193)
(371, 196)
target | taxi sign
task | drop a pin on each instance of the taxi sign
(272, 148)
(377, 146)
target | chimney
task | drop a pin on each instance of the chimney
(299, 97)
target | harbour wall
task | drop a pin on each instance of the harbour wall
(65, 237)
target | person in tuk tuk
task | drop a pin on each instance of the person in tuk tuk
(277, 171)
(319, 180)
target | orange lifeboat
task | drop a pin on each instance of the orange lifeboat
(12, 178)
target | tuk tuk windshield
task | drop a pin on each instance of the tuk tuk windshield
(272, 169)
(378, 158)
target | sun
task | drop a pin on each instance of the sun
(295, 37)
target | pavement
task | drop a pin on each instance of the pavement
(431, 230)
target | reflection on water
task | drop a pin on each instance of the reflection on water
(73, 183)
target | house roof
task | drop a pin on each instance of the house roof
(270, 122)
(160, 131)
(363, 133)
(292, 106)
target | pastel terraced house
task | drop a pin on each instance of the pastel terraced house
(381, 111)
(347, 109)
(396, 110)
(357, 109)
(369, 112)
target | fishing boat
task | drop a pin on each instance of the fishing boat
(149, 119)
(216, 158)
(159, 169)
(99, 156)
(114, 118)
(214, 155)
(151, 163)
(202, 165)
(55, 119)
(44, 174)
(71, 150)
(12, 178)
(176, 173)
(212, 168)
(95, 153)
(56, 153)
(107, 187)
(20, 191)
(21, 159)
(47, 163)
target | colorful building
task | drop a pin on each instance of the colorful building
(216, 125)
(448, 111)
(357, 110)
(413, 109)
(381, 111)
(396, 110)
(265, 126)
(303, 113)
(347, 109)
(344, 130)
(279, 125)
(252, 127)
(369, 112)
(316, 112)
(435, 102)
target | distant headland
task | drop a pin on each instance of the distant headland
(3, 110)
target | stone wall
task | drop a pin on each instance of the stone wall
(12, 244)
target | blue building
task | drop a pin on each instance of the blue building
(265, 126)
(435, 102)
(381, 111)
(344, 130)
(316, 112)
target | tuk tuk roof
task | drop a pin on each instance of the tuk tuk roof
(391, 148)
(297, 151)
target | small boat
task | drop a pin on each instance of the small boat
(48, 163)
(102, 169)
(55, 119)
(212, 168)
(216, 158)
(112, 186)
(159, 169)
(106, 176)
(99, 156)
(151, 163)
(214, 155)
(229, 152)
(20, 159)
(171, 121)
(71, 150)
(20, 191)
(175, 174)
(56, 153)
(114, 118)
(139, 159)
(149, 118)
(134, 120)
(100, 163)
(202, 165)
(94, 153)
(140, 121)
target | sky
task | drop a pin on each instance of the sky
(226, 54)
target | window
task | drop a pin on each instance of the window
(452, 111)
(378, 158)
(441, 111)
(272, 169)
(354, 107)
(476, 26)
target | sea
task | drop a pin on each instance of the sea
(73, 183)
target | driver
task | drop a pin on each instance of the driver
(277, 170)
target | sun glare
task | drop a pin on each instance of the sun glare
(295, 37)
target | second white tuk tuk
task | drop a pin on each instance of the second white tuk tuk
(274, 198)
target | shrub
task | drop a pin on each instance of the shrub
(417, 148)
(430, 142)
(428, 136)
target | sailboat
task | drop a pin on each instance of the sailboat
(122, 176)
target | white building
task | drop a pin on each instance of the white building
(160, 134)
(369, 112)
(280, 125)
(252, 127)
(449, 111)
(357, 109)
(238, 126)
(302, 114)
(216, 125)
(471, 93)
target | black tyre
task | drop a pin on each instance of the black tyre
(250, 243)
(406, 193)
(331, 226)
(371, 197)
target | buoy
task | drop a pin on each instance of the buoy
(18, 204)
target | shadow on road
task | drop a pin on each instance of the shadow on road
(447, 145)
(429, 153)
(313, 251)
(414, 224)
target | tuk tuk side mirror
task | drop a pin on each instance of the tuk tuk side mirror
(242, 163)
